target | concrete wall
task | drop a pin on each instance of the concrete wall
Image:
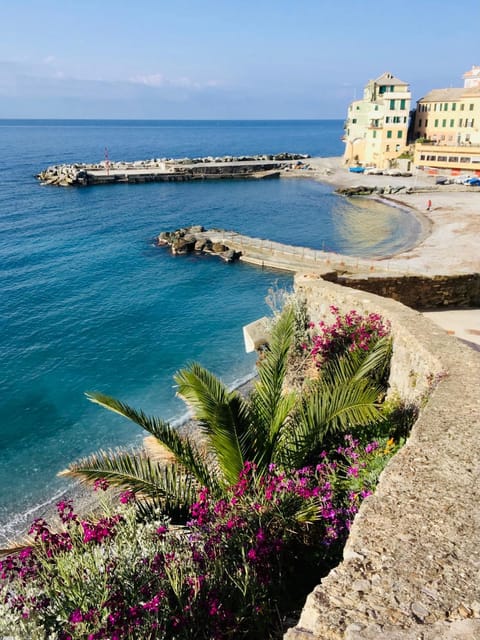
(411, 565)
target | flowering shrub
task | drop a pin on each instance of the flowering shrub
(223, 575)
(349, 332)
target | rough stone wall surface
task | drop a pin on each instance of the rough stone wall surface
(411, 565)
(419, 292)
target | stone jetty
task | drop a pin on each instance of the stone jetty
(196, 240)
(170, 170)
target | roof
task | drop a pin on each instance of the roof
(388, 78)
(443, 95)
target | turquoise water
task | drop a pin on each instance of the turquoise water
(89, 303)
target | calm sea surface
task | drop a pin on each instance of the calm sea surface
(89, 303)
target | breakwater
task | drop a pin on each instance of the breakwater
(169, 170)
(418, 291)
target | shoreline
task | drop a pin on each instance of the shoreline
(446, 242)
(85, 499)
(447, 245)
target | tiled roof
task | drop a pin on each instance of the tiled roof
(388, 78)
(439, 95)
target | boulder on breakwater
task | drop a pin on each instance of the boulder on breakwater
(195, 240)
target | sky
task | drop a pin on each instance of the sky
(224, 59)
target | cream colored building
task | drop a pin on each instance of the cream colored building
(376, 127)
(447, 123)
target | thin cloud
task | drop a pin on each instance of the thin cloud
(158, 80)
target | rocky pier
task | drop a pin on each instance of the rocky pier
(170, 170)
(196, 240)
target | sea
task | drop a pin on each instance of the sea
(90, 303)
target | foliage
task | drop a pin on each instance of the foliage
(224, 575)
(272, 425)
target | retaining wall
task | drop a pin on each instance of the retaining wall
(419, 292)
(411, 565)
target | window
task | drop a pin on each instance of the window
(470, 107)
(354, 120)
(392, 104)
(426, 122)
(387, 148)
(419, 123)
(445, 106)
(397, 147)
(374, 133)
(399, 134)
(444, 123)
(442, 158)
(387, 119)
(422, 157)
(453, 159)
(389, 134)
(435, 107)
(392, 88)
(462, 107)
(436, 123)
(440, 107)
(464, 159)
(460, 122)
(452, 123)
(402, 104)
(454, 106)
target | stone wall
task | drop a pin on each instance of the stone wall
(419, 292)
(411, 565)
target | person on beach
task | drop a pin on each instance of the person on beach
(429, 205)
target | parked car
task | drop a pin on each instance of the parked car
(392, 172)
(373, 171)
(357, 169)
(472, 182)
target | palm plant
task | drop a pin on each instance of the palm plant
(271, 425)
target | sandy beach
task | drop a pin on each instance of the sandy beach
(451, 232)
(449, 243)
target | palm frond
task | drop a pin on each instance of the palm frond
(327, 410)
(184, 449)
(223, 417)
(167, 485)
(357, 365)
(270, 404)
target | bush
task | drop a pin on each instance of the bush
(225, 574)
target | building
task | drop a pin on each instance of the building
(447, 127)
(376, 127)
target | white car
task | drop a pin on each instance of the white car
(372, 171)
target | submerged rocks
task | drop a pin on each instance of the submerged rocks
(196, 239)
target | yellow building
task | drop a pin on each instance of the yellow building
(376, 127)
(447, 127)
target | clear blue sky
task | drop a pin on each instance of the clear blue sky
(223, 58)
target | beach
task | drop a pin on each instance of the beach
(447, 245)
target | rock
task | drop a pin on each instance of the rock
(229, 256)
(361, 585)
(200, 244)
(218, 247)
(180, 246)
(196, 229)
(419, 611)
